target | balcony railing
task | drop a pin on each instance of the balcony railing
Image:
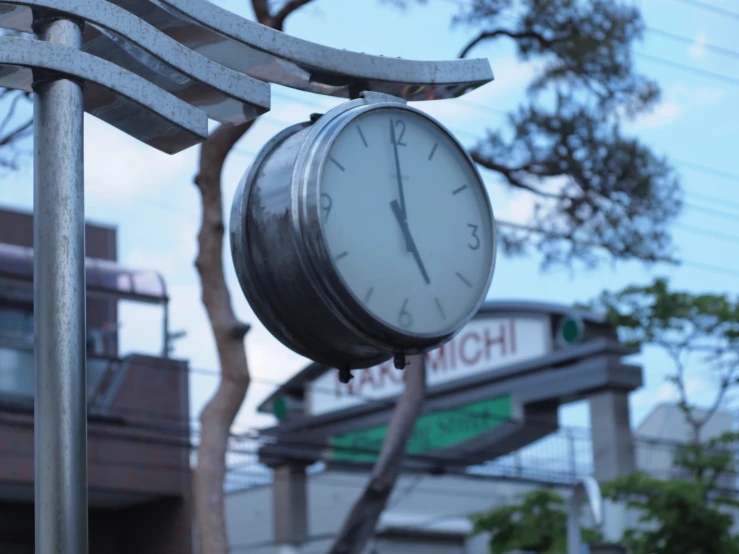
(17, 383)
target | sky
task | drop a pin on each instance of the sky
(150, 198)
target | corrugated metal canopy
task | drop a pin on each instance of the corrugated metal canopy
(104, 277)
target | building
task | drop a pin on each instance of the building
(489, 431)
(427, 513)
(138, 412)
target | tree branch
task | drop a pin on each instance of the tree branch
(361, 521)
(518, 35)
(16, 133)
(261, 11)
(508, 173)
(278, 21)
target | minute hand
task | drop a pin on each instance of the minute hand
(409, 239)
(401, 196)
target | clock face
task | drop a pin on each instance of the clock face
(407, 221)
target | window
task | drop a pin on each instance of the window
(16, 322)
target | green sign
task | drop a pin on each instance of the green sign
(570, 331)
(433, 431)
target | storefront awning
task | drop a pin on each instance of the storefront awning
(104, 277)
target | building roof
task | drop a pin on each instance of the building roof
(103, 277)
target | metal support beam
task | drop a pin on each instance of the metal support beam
(59, 305)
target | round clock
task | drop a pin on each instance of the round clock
(365, 234)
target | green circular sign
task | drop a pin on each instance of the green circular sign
(570, 331)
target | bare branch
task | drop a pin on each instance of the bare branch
(11, 110)
(261, 11)
(509, 174)
(278, 21)
(17, 134)
(360, 523)
(489, 35)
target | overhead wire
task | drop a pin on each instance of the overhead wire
(711, 8)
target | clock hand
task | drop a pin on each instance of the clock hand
(409, 239)
(401, 195)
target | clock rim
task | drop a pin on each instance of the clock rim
(308, 174)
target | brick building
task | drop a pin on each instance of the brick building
(138, 413)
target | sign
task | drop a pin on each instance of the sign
(484, 345)
(434, 431)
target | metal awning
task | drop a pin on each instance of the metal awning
(104, 277)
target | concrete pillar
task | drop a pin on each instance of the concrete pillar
(613, 452)
(290, 507)
(612, 440)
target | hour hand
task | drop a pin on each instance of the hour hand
(409, 239)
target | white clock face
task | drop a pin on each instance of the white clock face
(407, 221)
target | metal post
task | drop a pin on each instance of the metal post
(587, 487)
(59, 305)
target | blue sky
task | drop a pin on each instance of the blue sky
(150, 196)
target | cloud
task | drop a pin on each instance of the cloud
(680, 99)
(663, 114)
(697, 50)
(120, 169)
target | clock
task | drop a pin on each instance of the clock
(364, 234)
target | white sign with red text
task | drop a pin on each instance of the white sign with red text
(482, 346)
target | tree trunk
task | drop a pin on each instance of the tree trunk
(229, 333)
(220, 411)
(359, 525)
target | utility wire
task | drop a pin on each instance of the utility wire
(687, 40)
(690, 69)
(711, 8)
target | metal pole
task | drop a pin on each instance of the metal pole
(59, 305)
(586, 487)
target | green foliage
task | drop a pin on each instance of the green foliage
(683, 515)
(537, 523)
(687, 326)
(686, 514)
(674, 517)
(655, 314)
(564, 146)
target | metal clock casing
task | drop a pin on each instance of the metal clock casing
(281, 256)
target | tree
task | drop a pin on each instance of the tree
(12, 130)
(565, 148)
(536, 522)
(684, 514)
(229, 333)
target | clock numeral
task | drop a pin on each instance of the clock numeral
(474, 245)
(399, 136)
(326, 204)
(404, 318)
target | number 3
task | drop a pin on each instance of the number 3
(476, 244)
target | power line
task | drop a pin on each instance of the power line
(690, 69)
(687, 40)
(710, 8)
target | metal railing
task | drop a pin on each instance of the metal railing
(563, 457)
